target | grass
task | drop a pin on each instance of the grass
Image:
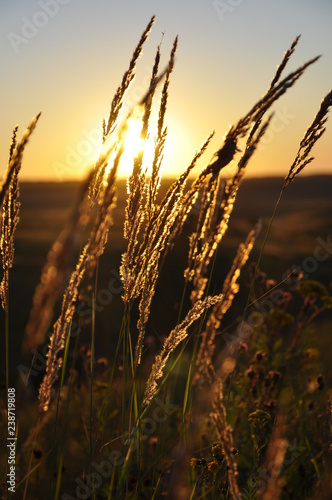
(218, 406)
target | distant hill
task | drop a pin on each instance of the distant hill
(304, 215)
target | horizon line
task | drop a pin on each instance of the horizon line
(168, 177)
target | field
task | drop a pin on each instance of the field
(168, 338)
(304, 216)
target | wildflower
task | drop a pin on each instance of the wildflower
(213, 466)
(216, 451)
(243, 346)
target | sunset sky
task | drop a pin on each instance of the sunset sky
(67, 57)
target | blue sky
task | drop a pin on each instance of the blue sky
(66, 58)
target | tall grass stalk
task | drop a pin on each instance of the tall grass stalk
(55, 430)
(313, 133)
(92, 250)
(116, 403)
(29, 472)
(10, 203)
(193, 361)
(53, 273)
(92, 360)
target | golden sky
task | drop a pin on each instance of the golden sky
(67, 57)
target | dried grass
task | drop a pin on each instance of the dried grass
(9, 199)
(54, 273)
(9, 221)
(151, 230)
(177, 335)
(225, 434)
(91, 251)
(204, 362)
(16, 155)
(313, 133)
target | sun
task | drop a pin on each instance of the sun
(130, 136)
(134, 144)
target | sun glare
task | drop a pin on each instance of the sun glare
(134, 144)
